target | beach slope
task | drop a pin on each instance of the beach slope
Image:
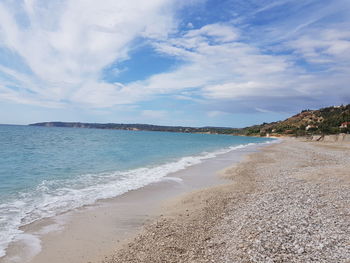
(287, 203)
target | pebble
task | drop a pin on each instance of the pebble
(292, 206)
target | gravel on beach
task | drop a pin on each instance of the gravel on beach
(288, 203)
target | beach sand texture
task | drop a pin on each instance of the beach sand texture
(288, 203)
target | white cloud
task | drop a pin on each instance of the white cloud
(214, 114)
(235, 70)
(218, 69)
(190, 25)
(66, 44)
(219, 33)
(154, 114)
(330, 45)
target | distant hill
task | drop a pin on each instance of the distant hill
(140, 127)
(330, 120)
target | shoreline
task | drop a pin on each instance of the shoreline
(107, 222)
(286, 203)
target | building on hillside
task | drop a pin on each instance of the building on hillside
(310, 127)
(345, 124)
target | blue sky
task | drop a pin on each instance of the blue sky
(227, 63)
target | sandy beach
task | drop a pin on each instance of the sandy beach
(284, 202)
(94, 232)
(287, 203)
(163, 131)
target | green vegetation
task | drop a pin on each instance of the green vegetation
(141, 127)
(331, 120)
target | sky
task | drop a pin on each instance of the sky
(229, 63)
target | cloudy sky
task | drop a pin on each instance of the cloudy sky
(194, 62)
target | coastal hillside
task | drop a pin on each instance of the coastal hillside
(141, 127)
(330, 120)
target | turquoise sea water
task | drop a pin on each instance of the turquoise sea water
(45, 171)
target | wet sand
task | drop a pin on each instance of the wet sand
(94, 233)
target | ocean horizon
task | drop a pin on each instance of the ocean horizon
(47, 171)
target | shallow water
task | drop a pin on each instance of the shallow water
(46, 171)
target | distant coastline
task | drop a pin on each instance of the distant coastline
(142, 127)
(325, 121)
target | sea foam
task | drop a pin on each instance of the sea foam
(53, 197)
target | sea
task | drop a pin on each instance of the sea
(47, 171)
